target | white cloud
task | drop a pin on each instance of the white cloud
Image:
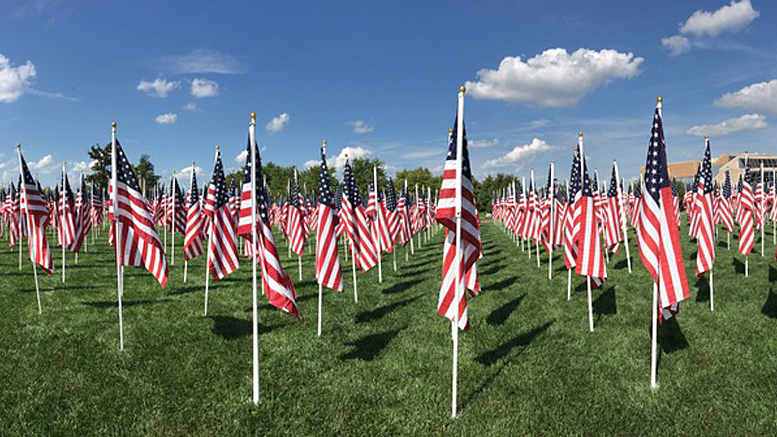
(204, 88)
(553, 78)
(542, 122)
(761, 97)
(80, 167)
(202, 61)
(483, 143)
(347, 153)
(519, 154)
(184, 175)
(168, 118)
(191, 106)
(44, 165)
(14, 81)
(732, 17)
(677, 44)
(359, 127)
(311, 163)
(241, 157)
(278, 123)
(745, 122)
(159, 87)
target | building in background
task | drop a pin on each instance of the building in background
(735, 164)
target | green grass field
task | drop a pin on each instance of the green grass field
(528, 365)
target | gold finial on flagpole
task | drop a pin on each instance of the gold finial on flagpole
(253, 116)
(707, 137)
(580, 135)
(462, 89)
(659, 99)
(450, 130)
(218, 148)
(113, 125)
(19, 145)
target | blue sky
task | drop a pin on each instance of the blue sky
(381, 78)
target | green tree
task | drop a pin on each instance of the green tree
(144, 170)
(420, 176)
(101, 166)
(310, 179)
(363, 173)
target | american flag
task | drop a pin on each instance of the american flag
(83, 221)
(176, 203)
(745, 212)
(192, 243)
(67, 227)
(571, 222)
(705, 211)
(659, 239)
(612, 234)
(328, 271)
(139, 242)
(222, 252)
(403, 218)
(760, 198)
(296, 227)
(723, 207)
(692, 216)
(356, 223)
(96, 211)
(471, 249)
(276, 283)
(33, 206)
(381, 231)
(392, 215)
(590, 258)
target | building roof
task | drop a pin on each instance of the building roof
(681, 169)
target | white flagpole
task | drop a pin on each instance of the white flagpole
(712, 299)
(321, 287)
(552, 200)
(409, 225)
(117, 235)
(254, 250)
(762, 208)
(353, 268)
(20, 240)
(64, 228)
(457, 297)
(376, 225)
(302, 223)
(210, 237)
(418, 213)
(654, 340)
(622, 215)
(164, 220)
(173, 221)
(582, 185)
(525, 212)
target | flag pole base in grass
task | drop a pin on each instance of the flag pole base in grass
(590, 305)
(747, 266)
(185, 270)
(569, 284)
(320, 296)
(712, 299)
(37, 287)
(353, 269)
(654, 340)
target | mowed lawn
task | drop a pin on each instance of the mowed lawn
(528, 365)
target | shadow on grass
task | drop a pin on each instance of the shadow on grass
(671, 337)
(231, 328)
(605, 304)
(703, 287)
(525, 339)
(269, 306)
(402, 286)
(622, 264)
(770, 306)
(722, 244)
(369, 316)
(739, 266)
(493, 269)
(504, 283)
(772, 274)
(500, 315)
(125, 303)
(369, 346)
(187, 290)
